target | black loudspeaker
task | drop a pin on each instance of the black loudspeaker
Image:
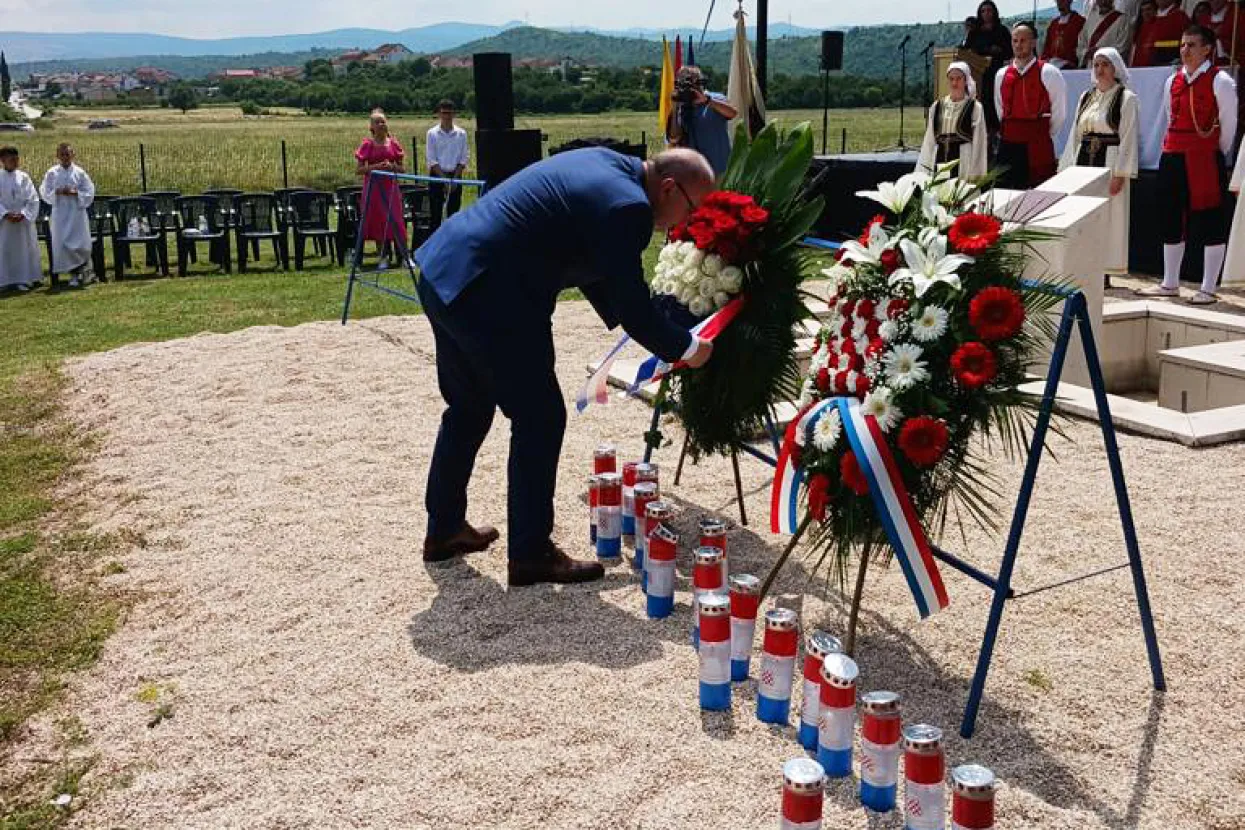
(831, 51)
(494, 91)
(502, 153)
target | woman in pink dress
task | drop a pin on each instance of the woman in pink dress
(381, 152)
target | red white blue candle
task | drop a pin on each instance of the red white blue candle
(594, 502)
(879, 751)
(655, 512)
(925, 773)
(837, 714)
(972, 800)
(715, 651)
(817, 644)
(605, 459)
(609, 517)
(745, 601)
(663, 544)
(628, 503)
(803, 792)
(713, 535)
(778, 650)
(706, 576)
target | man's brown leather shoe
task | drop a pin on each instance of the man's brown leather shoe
(467, 540)
(553, 565)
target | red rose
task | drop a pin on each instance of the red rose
(875, 347)
(872, 329)
(846, 329)
(819, 496)
(840, 382)
(754, 215)
(848, 308)
(923, 440)
(833, 299)
(996, 313)
(849, 345)
(679, 233)
(895, 308)
(853, 477)
(973, 365)
(974, 233)
(858, 362)
(862, 386)
(889, 260)
(865, 308)
(823, 380)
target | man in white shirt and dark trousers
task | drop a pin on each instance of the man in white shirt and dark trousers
(446, 152)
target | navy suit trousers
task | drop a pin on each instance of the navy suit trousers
(495, 350)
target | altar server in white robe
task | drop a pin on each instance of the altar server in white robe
(1234, 265)
(1104, 134)
(70, 192)
(19, 206)
(956, 128)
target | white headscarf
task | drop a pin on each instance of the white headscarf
(968, 76)
(1113, 55)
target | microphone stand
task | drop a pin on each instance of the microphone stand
(903, 90)
(927, 57)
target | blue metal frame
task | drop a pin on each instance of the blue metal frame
(356, 261)
(1076, 311)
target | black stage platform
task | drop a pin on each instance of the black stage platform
(839, 177)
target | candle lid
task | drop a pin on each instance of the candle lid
(605, 449)
(645, 488)
(839, 670)
(881, 703)
(714, 604)
(658, 509)
(708, 556)
(664, 534)
(645, 471)
(610, 479)
(745, 584)
(973, 779)
(710, 526)
(804, 775)
(819, 644)
(921, 737)
(783, 619)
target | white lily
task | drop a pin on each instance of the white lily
(955, 192)
(934, 212)
(894, 196)
(926, 263)
(871, 254)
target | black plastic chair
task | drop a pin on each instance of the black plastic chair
(257, 221)
(137, 221)
(166, 210)
(417, 211)
(99, 218)
(202, 220)
(346, 203)
(309, 215)
(226, 197)
(43, 230)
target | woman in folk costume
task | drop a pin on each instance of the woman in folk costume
(956, 128)
(1199, 118)
(70, 191)
(1104, 134)
(19, 208)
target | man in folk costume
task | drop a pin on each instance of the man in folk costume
(20, 268)
(70, 192)
(1031, 98)
(1062, 36)
(1104, 134)
(1105, 25)
(1199, 112)
(1157, 42)
(956, 128)
(1229, 28)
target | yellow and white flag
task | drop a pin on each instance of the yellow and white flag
(666, 91)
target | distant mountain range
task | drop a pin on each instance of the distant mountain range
(30, 47)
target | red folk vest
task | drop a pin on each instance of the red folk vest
(1194, 133)
(1061, 39)
(1026, 119)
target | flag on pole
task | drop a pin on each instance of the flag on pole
(666, 91)
(678, 53)
(742, 90)
(691, 56)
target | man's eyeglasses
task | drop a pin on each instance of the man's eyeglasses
(691, 206)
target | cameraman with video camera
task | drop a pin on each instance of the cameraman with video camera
(699, 119)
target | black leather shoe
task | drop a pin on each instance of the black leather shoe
(467, 540)
(553, 565)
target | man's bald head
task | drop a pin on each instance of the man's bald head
(677, 181)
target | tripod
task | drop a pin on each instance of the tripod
(903, 93)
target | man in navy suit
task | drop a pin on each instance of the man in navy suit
(490, 278)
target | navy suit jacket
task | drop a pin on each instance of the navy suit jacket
(580, 219)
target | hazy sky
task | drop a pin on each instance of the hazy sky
(222, 18)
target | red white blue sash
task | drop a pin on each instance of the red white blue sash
(890, 497)
(651, 369)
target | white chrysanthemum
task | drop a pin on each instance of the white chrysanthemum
(879, 404)
(930, 324)
(720, 299)
(850, 382)
(858, 328)
(888, 331)
(806, 393)
(835, 323)
(827, 430)
(904, 367)
(699, 306)
(712, 265)
(731, 279)
(821, 359)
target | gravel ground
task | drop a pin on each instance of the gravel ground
(316, 674)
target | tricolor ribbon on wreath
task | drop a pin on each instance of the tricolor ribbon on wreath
(890, 497)
(652, 369)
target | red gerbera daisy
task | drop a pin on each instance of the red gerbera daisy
(819, 496)
(853, 477)
(923, 440)
(973, 365)
(996, 313)
(974, 233)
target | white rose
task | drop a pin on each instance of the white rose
(699, 306)
(731, 279)
(721, 298)
(712, 265)
(667, 253)
(706, 288)
(695, 258)
(690, 275)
